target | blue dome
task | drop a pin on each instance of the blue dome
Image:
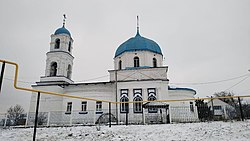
(62, 30)
(138, 43)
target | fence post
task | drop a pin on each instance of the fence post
(241, 111)
(5, 121)
(1, 76)
(212, 104)
(127, 116)
(27, 119)
(116, 98)
(109, 114)
(70, 118)
(37, 107)
(48, 120)
(94, 116)
(169, 113)
(143, 115)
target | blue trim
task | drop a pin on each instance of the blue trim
(138, 43)
(183, 89)
(134, 68)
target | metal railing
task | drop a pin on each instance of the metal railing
(201, 111)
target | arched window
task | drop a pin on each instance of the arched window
(120, 65)
(151, 98)
(69, 71)
(137, 105)
(53, 69)
(136, 62)
(69, 48)
(124, 107)
(57, 43)
(152, 110)
(154, 63)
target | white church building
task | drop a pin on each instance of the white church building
(138, 75)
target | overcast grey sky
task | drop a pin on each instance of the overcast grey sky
(201, 40)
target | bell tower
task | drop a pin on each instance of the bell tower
(59, 60)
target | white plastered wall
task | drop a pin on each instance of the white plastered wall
(63, 60)
(159, 85)
(64, 42)
(101, 91)
(139, 74)
(47, 102)
(181, 111)
(145, 57)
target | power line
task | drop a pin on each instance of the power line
(237, 83)
(146, 75)
(9, 79)
(193, 83)
(128, 76)
(212, 82)
(94, 78)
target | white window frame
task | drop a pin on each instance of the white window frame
(84, 106)
(136, 61)
(98, 106)
(69, 107)
(124, 106)
(57, 43)
(137, 104)
(191, 106)
(154, 62)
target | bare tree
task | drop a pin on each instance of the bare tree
(15, 114)
(230, 101)
(42, 118)
(233, 113)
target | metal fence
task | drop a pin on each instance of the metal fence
(91, 117)
(201, 110)
(223, 109)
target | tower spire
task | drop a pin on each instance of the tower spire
(137, 24)
(64, 18)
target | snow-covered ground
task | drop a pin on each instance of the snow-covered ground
(208, 131)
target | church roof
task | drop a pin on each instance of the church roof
(62, 30)
(183, 89)
(138, 43)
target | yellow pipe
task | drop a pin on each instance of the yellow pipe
(44, 92)
(189, 99)
(92, 99)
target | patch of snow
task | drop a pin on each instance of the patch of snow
(205, 131)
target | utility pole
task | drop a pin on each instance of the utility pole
(241, 110)
(116, 106)
(1, 76)
(36, 115)
(109, 114)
